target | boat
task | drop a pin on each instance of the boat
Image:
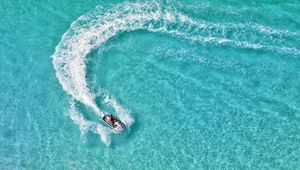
(114, 123)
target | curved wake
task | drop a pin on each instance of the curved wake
(90, 31)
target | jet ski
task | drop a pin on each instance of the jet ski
(114, 123)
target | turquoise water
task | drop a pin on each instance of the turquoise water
(200, 85)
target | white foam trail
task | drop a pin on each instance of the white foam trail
(85, 125)
(104, 134)
(91, 31)
(78, 119)
(70, 54)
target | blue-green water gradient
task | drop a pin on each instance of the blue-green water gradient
(219, 93)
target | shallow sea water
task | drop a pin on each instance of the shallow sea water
(201, 85)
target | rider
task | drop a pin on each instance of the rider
(111, 118)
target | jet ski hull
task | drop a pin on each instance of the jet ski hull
(117, 125)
